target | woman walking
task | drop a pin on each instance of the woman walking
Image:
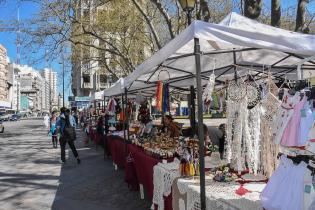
(66, 125)
(53, 129)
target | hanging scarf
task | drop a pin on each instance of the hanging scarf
(159, 95)
(165, 102)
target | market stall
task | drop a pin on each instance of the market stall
(249, 55)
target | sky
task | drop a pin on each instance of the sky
(8, 11)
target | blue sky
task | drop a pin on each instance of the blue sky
(8, 11)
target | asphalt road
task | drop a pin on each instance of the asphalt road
(32, 178)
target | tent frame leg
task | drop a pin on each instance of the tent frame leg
(200, 125)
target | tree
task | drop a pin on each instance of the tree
(275, 13)
(252, 8)
(300, 16)
(92, 32)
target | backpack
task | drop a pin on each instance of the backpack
(69, 133)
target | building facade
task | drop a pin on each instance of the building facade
(50, 77)
(88, 74)
(32, 88)
(14, 90)
(4, 85)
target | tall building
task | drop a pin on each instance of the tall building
(50, 77)
(14, 90)
(4, 85)
(33, 94)
(88, 74)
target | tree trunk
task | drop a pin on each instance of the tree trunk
(252, 8)
(300, 15)
(275, 13)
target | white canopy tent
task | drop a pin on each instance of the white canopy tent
(227, 49)
(234, 44)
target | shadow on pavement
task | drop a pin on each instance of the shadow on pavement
(94, 184)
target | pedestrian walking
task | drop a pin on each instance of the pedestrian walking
(66, 125)
(53, 129)
(46, 121)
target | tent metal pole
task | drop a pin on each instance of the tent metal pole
(123, 111)
(235, 68)
(224, 72)
(126, 114)
(192, 110)
(180, 56)
(157, 68)
(200, 126)
(176, 69)
(279, 61)
(228, 51)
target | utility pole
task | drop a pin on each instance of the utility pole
(63, 79)
(18, 41)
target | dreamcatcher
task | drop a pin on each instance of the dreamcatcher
(236, 91)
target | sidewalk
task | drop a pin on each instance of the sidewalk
(94, 184)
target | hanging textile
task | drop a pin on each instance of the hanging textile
(269, 151)
(254, 126)
(165, 101)
(207, 93)
(243, 127)
(215, 101)
(111, 107)
(270, 103)
(159, 95)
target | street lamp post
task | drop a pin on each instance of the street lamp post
(188, 7)
(63, 80)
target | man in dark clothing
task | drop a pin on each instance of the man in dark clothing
(64, 124)
(217, 137)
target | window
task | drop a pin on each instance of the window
(103, 78)
(86, 78)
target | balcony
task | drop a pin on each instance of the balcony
(104, 85)
(87, 85)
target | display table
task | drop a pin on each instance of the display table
(143, 166)
(219, 196)
(117, 147)
(95, 137)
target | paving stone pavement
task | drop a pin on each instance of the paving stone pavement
(32, 178)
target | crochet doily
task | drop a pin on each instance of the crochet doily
(236, 91)
(164, 175)
(252, 93)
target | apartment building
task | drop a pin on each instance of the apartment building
(4, 85)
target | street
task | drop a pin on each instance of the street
(32, 178)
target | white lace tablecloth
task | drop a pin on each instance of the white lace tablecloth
(164, 175)
(219, 196)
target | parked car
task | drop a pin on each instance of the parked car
(1, 127)
(14, 117)
(5, 117)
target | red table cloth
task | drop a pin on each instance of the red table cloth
(143, 165)
(117, 149)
